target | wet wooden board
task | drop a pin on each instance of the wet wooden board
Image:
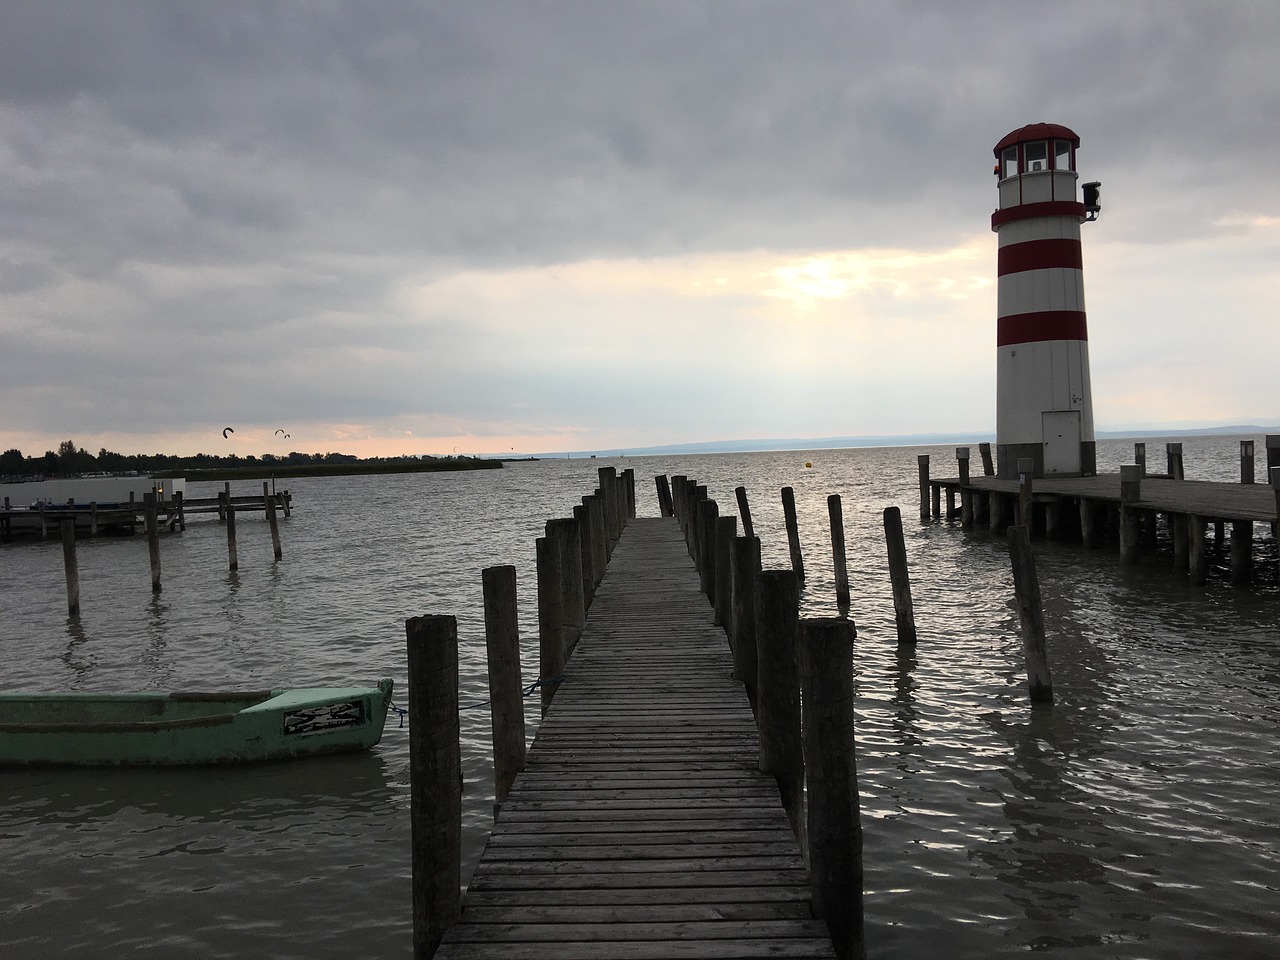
(641, 827)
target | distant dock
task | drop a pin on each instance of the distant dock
(1129, 508)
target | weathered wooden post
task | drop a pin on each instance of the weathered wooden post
(665, 507)
(725, 532)
(777, 615)
(793, 531)
(988, 467)
(71, 566)
(834, 820)
(1026, 471)
(612, 515)
(1197, 555)
(227, 510)
(573, 604)
(435, 779)
(838, 558)
(707, 513)
(1274, 474)
(179, 502)
(629, 494)
(922, 468)
(1088, 523)
(226, 492)
(1173, 456)
(744, 511)
(1130, 494)
(1140, 458)
(599, 537)
(269, 505)
(153, 540)
(1241, 551)
(745, 562)
(966, 495)
(583, 516)
(1181, 546)
(550, 617)
(1026, 587)
(904, 613)
(1246, 461)
(1272, 442)
(506, 686)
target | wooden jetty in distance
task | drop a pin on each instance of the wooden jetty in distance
(645, 820)
(1128, 508)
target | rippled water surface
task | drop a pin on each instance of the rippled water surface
(1135, 818)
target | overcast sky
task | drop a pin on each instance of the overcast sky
(410, 227)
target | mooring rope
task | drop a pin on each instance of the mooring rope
(528, 692)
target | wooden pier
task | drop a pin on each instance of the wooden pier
(1127, 508)
(641, 826)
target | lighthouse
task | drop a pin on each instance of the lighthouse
(1044, 408)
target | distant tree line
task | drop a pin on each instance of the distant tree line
(69, 461)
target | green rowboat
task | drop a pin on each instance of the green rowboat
(116, 729)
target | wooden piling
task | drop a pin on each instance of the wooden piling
(966, 495)
(665, 507)
(93, 518)
(838, 558)
(506, 685)
(777, 615)
(1272, 442)
(725, 531)
(269, 505)
(1088, 522)
(435, 780)
(1173, 457)
(583, 516)
(1026, 474)
(1197, 554)
(744, 561)
(922, 469)
(1241, 551)
(551, 648)
(1140, 458)
(988, 467)
(179, 503)
(568, 537)
(71, 566)
(228, 514)
(1130, 516)
(153, 540)
(834, 820)
(744, 511)
(1026, 586)
(904, 614)
(1246, 461)
(599, 537)
(707, 513)
(793, 531)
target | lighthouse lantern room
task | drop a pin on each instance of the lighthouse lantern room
(1044, 408)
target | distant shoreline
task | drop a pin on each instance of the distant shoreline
(277, 471)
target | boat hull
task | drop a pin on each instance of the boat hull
(88, 729)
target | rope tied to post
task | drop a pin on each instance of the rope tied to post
(528, 692)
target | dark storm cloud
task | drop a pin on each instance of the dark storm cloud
(259, 182)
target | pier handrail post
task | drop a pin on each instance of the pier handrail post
(435, 779)
(988, 467)
(904, 614)
(1173, 457)
(568, 537)
(178, 500)
(706, 512)
(777, 615)
(1274, 474)
(227, 511)
(71, 566)
(725, 532)
(599, 537)
(1026, 587)
(838, 559)
(744, 511)
(269, 505)
(506, 686)
(629, 492)
(153, 539)
(1026, 475)
(793, 531)
(834, 821)
(1273, 452)
(922, 468)
(744, 560)
(551, 645)
(962, 465)
(1140, 457)
(1246, 461)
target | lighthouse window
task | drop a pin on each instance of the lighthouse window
(1062, 155)
(1009, 163)
(1037, 156)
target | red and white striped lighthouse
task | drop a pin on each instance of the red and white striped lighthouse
(1044, 408)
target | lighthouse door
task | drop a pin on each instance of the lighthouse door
(1061, 441)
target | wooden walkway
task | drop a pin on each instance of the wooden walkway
(640, 827)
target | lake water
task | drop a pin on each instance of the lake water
(1136, 818)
